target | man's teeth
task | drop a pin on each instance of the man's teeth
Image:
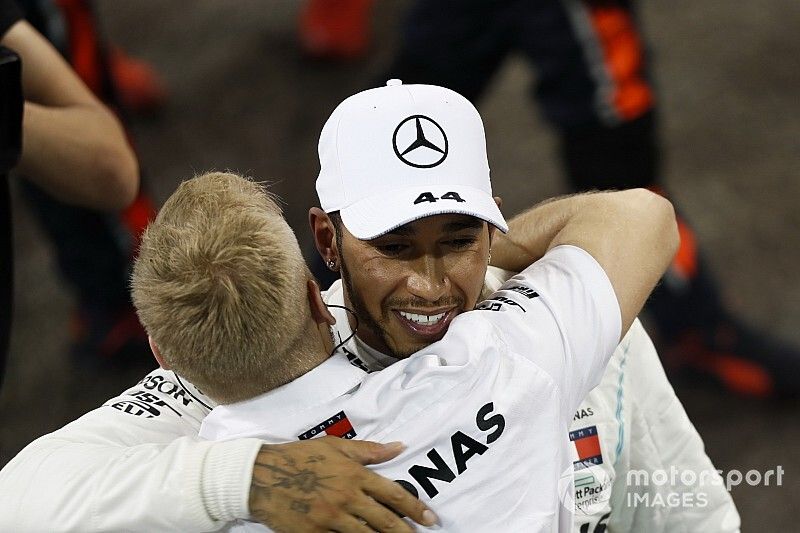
(425, 320)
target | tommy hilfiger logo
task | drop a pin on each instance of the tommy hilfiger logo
(587, 444)
(337, 426)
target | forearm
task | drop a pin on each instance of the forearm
(632, 235)
(58, 485)
(134, 464)
(72, 145)
(78, 154)
(531, 232)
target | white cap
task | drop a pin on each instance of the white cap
(398, 153)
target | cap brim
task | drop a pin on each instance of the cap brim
(379, 214)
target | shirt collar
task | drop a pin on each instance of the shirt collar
(332, 379)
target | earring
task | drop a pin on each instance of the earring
(331, 264)
(489, 259)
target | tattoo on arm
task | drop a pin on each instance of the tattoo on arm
(275, 469)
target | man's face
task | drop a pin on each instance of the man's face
(408, 285)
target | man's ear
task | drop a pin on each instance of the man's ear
(157, 353)
(319, 311)
(324, 234)
(498, 201)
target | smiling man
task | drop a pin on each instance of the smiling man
(408, 217)
(391, 158)
(401, 325)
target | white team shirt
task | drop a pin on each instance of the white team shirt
(484, 412)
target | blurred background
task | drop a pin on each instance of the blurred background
(240, 93)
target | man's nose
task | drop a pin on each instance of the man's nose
(428, 279)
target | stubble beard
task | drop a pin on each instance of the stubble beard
(365, 319)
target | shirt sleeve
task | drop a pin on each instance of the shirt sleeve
(562, 314)
(135, 464)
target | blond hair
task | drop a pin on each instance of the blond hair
(220, 286)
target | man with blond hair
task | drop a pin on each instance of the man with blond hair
(222, 289)
(220, 282)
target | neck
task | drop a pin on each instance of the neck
(310, 352)
(325, 337)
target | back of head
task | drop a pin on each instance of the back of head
(220, 286)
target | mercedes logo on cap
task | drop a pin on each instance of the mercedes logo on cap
(420, 142)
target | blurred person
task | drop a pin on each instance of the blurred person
(94, 249)
(498, 389)
(400, 154)
(335, 29)
(594, 88)
(73, 148)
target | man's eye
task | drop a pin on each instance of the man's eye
(392, 249)
(462, 243)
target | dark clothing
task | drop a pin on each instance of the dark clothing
(11, 105)
(9, 14)
(590, 70)
(91, 249)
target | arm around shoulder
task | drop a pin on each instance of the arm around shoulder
(632, 234)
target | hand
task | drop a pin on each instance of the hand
(321, 485)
